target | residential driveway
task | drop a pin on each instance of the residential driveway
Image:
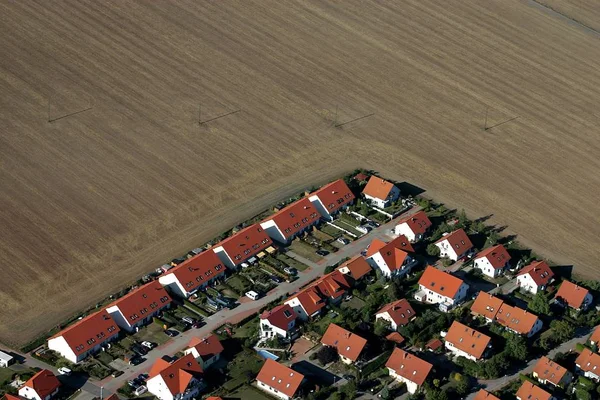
(300, 348)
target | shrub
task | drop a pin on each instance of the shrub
(327, 354)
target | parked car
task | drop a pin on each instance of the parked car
(64, 371)
(140, 390)
(252, 295)
(188, 320)
(138, 349)
(343, 240)
(148, 345)
(290, 270)
(133, 383)
(322, 252)
(170, 333)
(364, 229)
(197, 325)
(275, 278)
(136, 360)
(116, 374)
(143, 377)
(348, 297)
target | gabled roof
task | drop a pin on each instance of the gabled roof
(177, 375)
(379, 246)
(434, 344)
(595, 336)
(245, 243)
(310, 299)
(9, 396)
(516, 319)
(357, 267)
(361, 177)
(332, 285)
(378, 188)
(395, 337)
(347, 343)
(467, 339)
(280, 316)
(295, 217)
(44, 383)
(399, 311)
(548, 370)
(588, 361)
(89, 332)
(440, 282)
(409, 366)
(539, 271)
(496, 255)
(334, 195)
(483, 395)
(196, 271)
(529, 391)
(486, 305)
(572, 294)
(280, 377)
(394, 253)
(207, 347)
(458, 240)
(142, 301)
(418, 222)
(112, 397)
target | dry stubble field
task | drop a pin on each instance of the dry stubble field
(89, 202)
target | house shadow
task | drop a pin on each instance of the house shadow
(566, 271)
(315, 373)
(408, 189)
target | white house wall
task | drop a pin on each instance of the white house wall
(446, 250)
(59, 344)
(318, 204)
(298, 309)
(224, 257)
(486, 267)
(404, 229)
(411, 386)
(527, 283)
(386, 317)
(273, 231)
(270, 390)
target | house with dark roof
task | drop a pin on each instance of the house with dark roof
(397, 313)
(291, 221)
(529, 391)
(414, 227)
(464, 341)
(194, 274)
(206, 350)
(42, 386)
(535, 277)
(137, 308)
(179, 380)
(86, 336)
(492, 261)
(356, 268)
(393, 258)
(280, 321)
(574, 296)
(348, 345)
(455, 245)
(243, 246)
(439, 287)
(547, 372)
(409, 369)
(332, 198)
(380, 192)
(278, 380)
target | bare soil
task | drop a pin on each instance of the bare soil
(91, 201)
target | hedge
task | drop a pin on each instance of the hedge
(194, 307)
(376, 364)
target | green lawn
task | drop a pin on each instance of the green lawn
(152, 333)
(245, 330)
(354, 303)
(347, 227)
(250, 393)
(331, 231)
(305, 250)
(291, 262)
(239, 283)
(349, 220)
(5, 376)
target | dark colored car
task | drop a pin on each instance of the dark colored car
(322, 252)
(138, 349)
(276, 279)
(136, 360)
(116, 373)
(170, 333)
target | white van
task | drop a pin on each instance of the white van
(140, 390)
(64, 371)
(252, 294)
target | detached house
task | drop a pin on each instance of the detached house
(42, 386)
(397, 313)
(392, 258)
(535, 277)
(493, 261)
(414, 227)
(280, 321)
(464, 341)
(455, 245)
(193, 274)
(206, 351)
(547, 372)
(292, 221)
(279, 380)
(588, 364)
(180, 380)
(483, 395)
(408, 368)
(242, 246)
(306, 303)
(574, 296)
(356, 268)
(514, 319)
(595, 337)
(332, 198)
(348, 345)
(380, 192)
(439, 287)
(84, 337)
(529, 391)
(137, 308)
(333, 286)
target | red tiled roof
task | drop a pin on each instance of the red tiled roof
(310, 300)
(595, 336)
(395, 337)
(440, 282)
(9, 396)
(458, 240)
(280, 316)
(207, 347)
(139, 302)
(467, 339)
(196, 271)
(548, 370)
(539, 271)
(434, 344)
(418, 222)
(89, 332)
(348, 344)
(400, 311)
(409, 366)
(361, 177)
(486, 305)
(483, 395)
(529, 391)
(333, 285)
(280, 377)
(496, 255)
(295, 217)
(112, 397)
(400, 243)
(588, 361)
(378, 188)
(357, 266)
(572, 294)
(246, 243)
(515, 318)
(375, 246)
(334, 195)
(178, 375)
(43, 383)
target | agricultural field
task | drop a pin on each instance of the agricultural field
(130, 179)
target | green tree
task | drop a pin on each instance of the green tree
(349, 390)
(539, 304)
(382, 327)
(436, 395)
(433, 250)
(563, 330)
(516, 347)
(385, 393)
(463, 221)
(327, 354)
(581, 394)
(463, 387)
(492, 239)
(477, 227)
(394, 290)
